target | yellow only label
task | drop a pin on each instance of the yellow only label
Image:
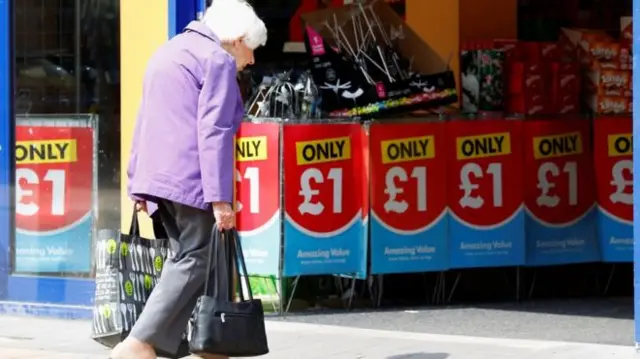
(251, 148)
(620, 145)
(49, 151)
(321, 151)
(565, 144)
(408, 149)
(489, 145)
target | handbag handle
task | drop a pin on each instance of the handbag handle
(212, 262)
(238, 255)
(134, 228)
(232, 255)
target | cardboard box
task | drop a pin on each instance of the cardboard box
(607, 82)
(564, 87)
(609, 105)
(593, 46)
(348, 89)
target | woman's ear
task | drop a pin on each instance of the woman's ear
(238, 41)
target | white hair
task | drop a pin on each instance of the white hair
(231, 20)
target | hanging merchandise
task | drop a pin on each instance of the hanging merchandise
(482, 77)
(366, 61)
(280, 97)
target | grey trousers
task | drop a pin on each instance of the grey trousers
(169, 307)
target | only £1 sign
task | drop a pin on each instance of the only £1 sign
(559, 192)
(258, 196)
(613, 153)
(324, 217)
(54, 199)
(408, 198)
(485, 193)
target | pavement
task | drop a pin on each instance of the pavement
(35, 338)
(595, 320)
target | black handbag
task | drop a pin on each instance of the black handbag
(220, 325)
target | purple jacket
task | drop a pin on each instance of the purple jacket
(191, 108)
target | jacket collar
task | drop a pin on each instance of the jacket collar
(202, 29)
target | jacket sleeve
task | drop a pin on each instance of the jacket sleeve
(133, 162)
(217, 123)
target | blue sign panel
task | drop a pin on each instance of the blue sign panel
(341, 252)
(616, 238)
(496, 246)
(485, 193)
(423, 250)
(325, 200)
(552, 244)
(261, 247)
(66, 251)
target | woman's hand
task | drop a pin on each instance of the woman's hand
(141, 206)
(225, 215)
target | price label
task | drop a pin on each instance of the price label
(559, 183)
(622, 181)
(487, 168)
(323, 178)
(308, 191)
(257, 176)
(419, 174)
(408, 175)
(54, 177)
(613, 153)
(473, 170)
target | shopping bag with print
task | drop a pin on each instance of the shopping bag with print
(128, 267)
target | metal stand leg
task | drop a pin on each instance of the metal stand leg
(533, 283)
(437, 287)
(518, 274)
(455, 286)
(294, 287)
(352, 293)
(609, 280)
(375, 284)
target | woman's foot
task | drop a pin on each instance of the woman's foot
(132, 348)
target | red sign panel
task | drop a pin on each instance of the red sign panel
(559, 184)
(408, 179)
(613, 153)
(323, 170)
(54, 177)
(484, 171)
(257, 175)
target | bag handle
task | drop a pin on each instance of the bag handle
(212, 262)
(241, 266)
(233, 258)
(134, 228)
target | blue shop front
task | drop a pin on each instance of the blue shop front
(60, 166)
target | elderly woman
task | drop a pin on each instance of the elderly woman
(182, 159)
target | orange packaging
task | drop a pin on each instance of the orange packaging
(602, 51)
(610, 104)
(626, 29)
(593, 46)
(608, 82)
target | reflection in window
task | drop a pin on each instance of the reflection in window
(68, 105)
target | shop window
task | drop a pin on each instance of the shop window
(67, 99)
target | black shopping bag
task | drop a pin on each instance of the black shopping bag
(128, 267)
(220, 325)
